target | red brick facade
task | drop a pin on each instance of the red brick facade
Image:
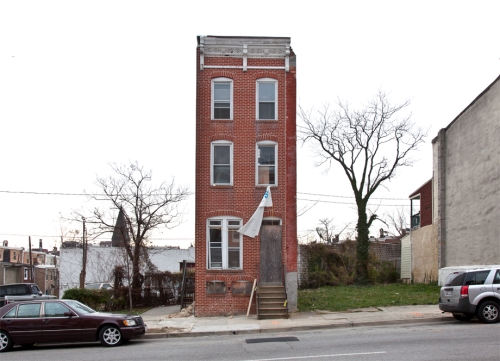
(241, 199)
(424, 193)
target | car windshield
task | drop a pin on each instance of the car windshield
(93, 286)
(79, 307)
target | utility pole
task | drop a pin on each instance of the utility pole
(84, 257)
(31, 262)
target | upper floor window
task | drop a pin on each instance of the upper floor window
(222, 98)
(224, 243)
(221, 169)
(267, 104)
(267, 160)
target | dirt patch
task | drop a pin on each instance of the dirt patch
(167, 330)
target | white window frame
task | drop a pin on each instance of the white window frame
(225, 226)
(266, 143)
(268, 81)
(274, 219)
(26, 273)
(212, 159)
(222, 80)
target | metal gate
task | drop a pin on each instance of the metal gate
(270, 254)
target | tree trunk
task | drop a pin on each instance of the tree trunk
(362, 244)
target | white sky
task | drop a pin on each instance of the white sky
(86, 83)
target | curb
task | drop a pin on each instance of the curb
(153, 336)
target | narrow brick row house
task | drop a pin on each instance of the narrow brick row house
(245, 142)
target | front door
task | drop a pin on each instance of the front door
(270, 254)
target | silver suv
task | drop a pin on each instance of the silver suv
(472, 293)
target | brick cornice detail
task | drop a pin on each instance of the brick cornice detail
(266, 74)
(215, 137)
(224, 212)
(271, 213)
(263, 137)
(222, 74)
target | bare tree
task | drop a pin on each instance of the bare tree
(326, 231)
(145, 207)
(399, 221)
(369, 144)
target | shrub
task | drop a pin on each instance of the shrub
(96, 299)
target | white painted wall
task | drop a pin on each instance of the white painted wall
(102, 260)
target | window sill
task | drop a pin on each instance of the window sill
(222, 186)
(222, 120)
(219, 270)
(267, 120)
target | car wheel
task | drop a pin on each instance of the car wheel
(463, 316)
(487, 312)
(110, 336)
(5, 342)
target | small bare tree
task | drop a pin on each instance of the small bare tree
(327, 232)
(145, 208)
(398, 221)
(370, 144)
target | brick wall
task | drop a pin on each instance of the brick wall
(242, 198)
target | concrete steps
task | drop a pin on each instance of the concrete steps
(271, 301)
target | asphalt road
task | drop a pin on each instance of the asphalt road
(441, 341)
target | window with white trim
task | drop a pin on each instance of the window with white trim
(267, 104)
(222, 98)
(224, 243)
(267, 160)
(221, 168)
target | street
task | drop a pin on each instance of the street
(432, 341)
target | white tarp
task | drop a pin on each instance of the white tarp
(252, 228)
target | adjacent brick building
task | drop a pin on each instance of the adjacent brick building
(245, 142)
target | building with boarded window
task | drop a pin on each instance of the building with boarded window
(245, 143)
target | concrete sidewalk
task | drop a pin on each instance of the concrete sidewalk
(159, 326)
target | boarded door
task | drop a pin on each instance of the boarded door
(270, 254)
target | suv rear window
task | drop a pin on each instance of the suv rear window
(476, 278)
(455, 279)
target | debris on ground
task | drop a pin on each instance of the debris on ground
(168, 330)
(186, 312)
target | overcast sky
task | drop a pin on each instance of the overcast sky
(86, 83)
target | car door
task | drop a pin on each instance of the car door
(26, 326)
(476, 281)
(496, 283)
(57, 326)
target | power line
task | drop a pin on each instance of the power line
(328, 195)
(98, 238)
(191, 193)
(350, 203)
(84, 194)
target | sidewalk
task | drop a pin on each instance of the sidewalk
(159, 326)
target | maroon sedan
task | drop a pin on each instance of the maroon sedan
(54, 321)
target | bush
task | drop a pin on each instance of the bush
(96, 299)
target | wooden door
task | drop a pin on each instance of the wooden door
(270, 254)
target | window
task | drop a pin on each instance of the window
(26, 273)
(29, 310)
(222, 163)
(222, 98)
(266, 99)
(266, 163)
(224, 243)
(55, 310)
(476, 278)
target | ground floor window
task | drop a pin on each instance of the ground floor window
(224, 243)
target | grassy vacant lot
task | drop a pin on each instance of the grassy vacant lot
(341, 298)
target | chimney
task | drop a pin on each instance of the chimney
(40, 246)
(5, 243)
